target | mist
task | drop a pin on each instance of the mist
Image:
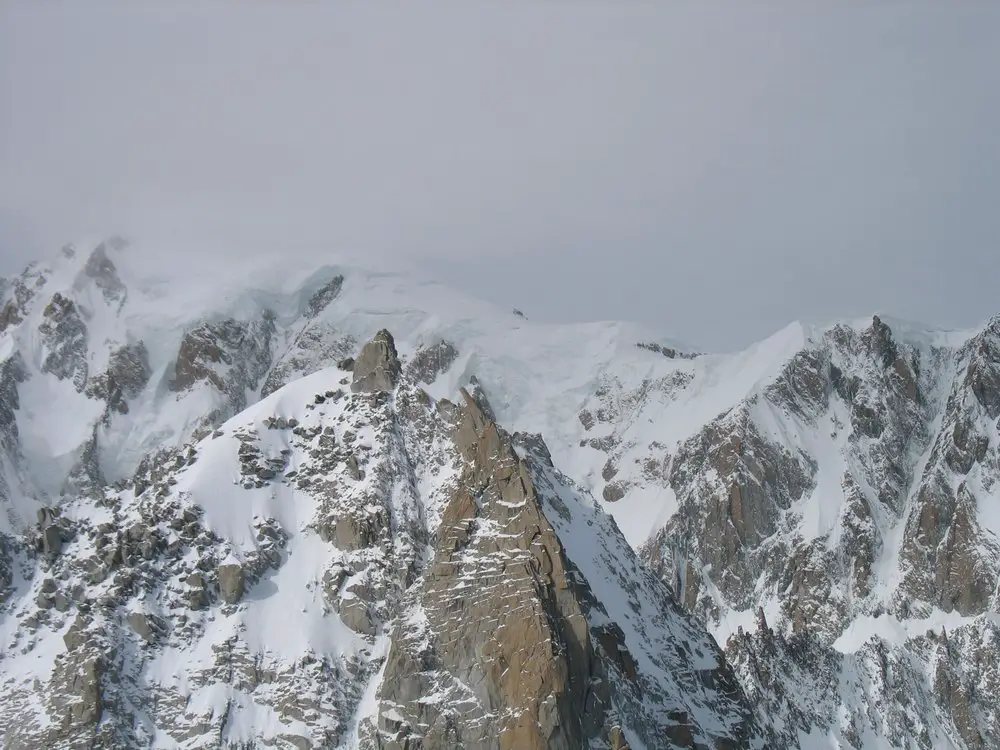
(713, 170)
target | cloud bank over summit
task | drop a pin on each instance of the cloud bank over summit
(716, 172)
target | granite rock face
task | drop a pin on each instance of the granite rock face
(230, 356)
(377, 367)
(809, 685)
(950, 560)
(12, 374)
(65, 338)
(323, 296)
(894, 445)
(223, 354)
(127, 374)
(516, 646)
(429, 362)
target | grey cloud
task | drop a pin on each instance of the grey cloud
(713, 171)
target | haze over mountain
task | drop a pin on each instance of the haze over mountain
(714, 170)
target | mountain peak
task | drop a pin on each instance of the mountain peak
(288, 508)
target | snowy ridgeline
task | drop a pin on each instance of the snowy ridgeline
(260, 548)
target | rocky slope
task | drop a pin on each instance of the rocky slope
(853, 499)
(380, 571)
(241, 514)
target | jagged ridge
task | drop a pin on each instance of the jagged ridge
(842, 479)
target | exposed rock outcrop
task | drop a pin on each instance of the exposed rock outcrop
(65, 337)
(530, 668)
(811, 685)
(667, 351)
(87, 477)
(21, 292)
(232, 356)
(231, 582)
(324, 296)
(734, 487)
(147, 627)
(949, 560)
(12, 373)
(508, 633)
(126, 376)
(377, 366)
(52, 532)
(101, 270)
(431, 361)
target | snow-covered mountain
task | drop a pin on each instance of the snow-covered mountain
(338, 508)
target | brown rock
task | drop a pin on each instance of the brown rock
(142, 626)
(613, 492)
(518, 636)
(377, 366)
(231, 582)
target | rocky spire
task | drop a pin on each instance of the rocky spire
(881, 343)
(377, 367)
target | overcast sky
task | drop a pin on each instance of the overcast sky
(714, 170)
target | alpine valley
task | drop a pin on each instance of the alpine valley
(337, 508)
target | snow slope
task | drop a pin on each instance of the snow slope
(863, 456)
(244, 590)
